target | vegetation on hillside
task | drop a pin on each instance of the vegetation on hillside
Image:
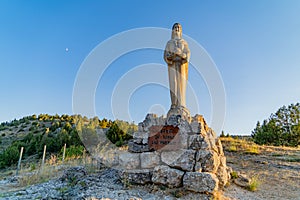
(281, 129)
(33, 132)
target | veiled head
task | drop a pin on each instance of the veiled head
(176, 31)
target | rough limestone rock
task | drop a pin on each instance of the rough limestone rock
(183, 159)
(73, 174)
(242, 180)
(129, 160)
(207, 161)
(194, 151)
(140, 138)
(222, 176)
(220, 149)
(137, 147)
(200, 182)
(167, 176)
(149, 160)
(141, 176)
(195, 142)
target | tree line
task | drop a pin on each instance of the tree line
(282, 128)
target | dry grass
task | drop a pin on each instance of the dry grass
(53, 169)
(273, 171)
(254, 183)
(240, 145)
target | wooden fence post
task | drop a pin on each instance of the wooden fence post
(44, 155)
(20, 158)
(64, 153)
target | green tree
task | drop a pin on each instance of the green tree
(282, 128)
(116, 135)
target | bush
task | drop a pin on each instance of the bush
(10, 156)
(116, 135)
(254, 184)
(73, 151)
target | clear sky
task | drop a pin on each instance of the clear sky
(254, 43)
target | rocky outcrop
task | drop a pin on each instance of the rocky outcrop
(187, 154)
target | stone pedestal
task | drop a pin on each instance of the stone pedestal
(183, 154)
(176, 114)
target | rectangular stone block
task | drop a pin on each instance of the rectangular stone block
(129, 160)
(149, 160)
(167, 176)
(200, 182)
(183, 159)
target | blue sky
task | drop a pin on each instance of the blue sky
(255, 45)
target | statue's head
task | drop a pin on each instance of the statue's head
(176, 31)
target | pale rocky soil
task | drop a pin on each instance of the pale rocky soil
(279, 177)
(277, 169)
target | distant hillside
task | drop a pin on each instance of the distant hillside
(33, 132)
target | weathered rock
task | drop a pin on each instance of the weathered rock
(183, 140)
(195, 141)
(167, 176)
(137, 176)
(140, 137)
(220, 147)
(137, 148)
(109, 158)
(200, 120)
(183, 159)
(242, 180)
(194, 148)
(207, 161)
(129, 160)
(222, 176)
(200, 182)
(223, 172)
(206, 143)
(195, 127)
(149, 160)
(73, 174)
(150, 120)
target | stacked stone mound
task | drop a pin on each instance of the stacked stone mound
(193, 159)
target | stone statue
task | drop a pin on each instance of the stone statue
(177, 55)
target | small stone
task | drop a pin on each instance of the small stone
(167, 176)
(200, 182)
(242, 180)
